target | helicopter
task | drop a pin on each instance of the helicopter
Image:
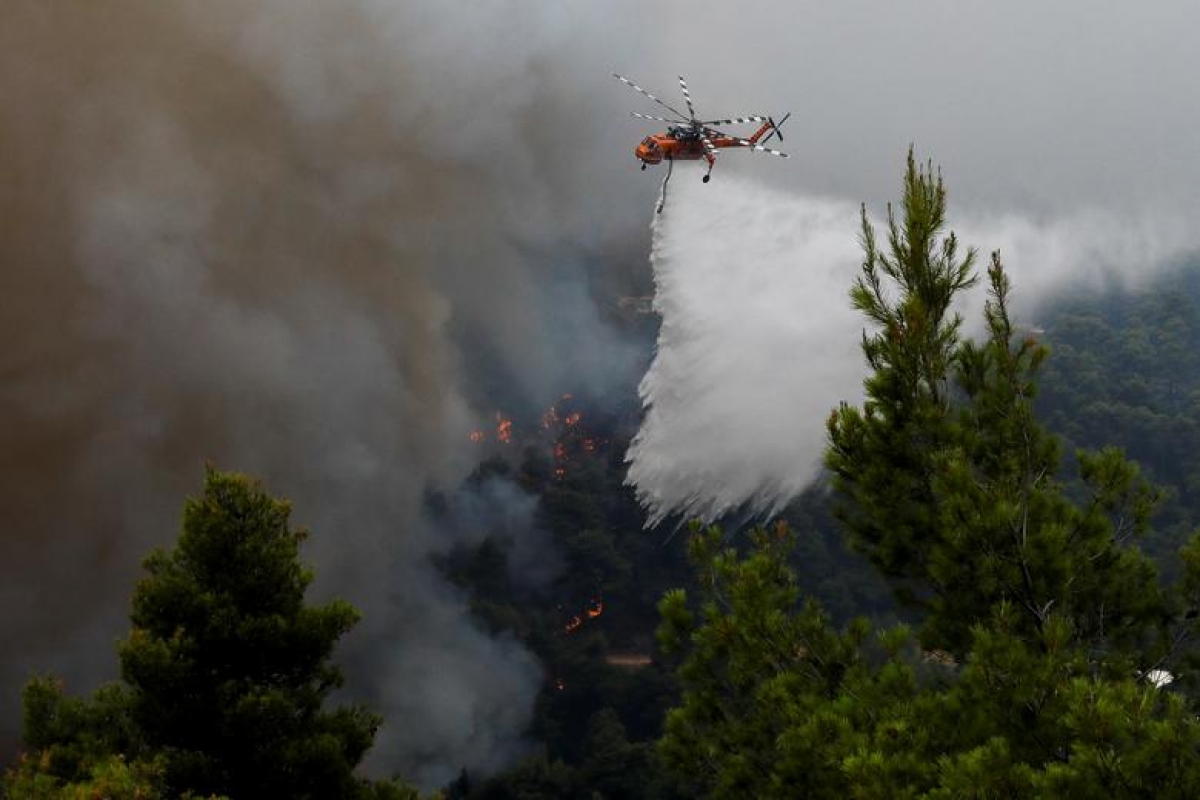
(690, 139)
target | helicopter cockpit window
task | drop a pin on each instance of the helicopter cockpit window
(650, 143)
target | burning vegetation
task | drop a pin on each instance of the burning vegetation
(504, 428)
(595, 608)
(560, 430)
(607, 576)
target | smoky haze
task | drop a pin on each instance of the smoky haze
(277, 237)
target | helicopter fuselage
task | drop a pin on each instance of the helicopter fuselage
(684, 143)
(658, 147)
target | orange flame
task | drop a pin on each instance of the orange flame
(504, 428)
(595, 608)
(478, 436)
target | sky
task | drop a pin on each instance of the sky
(1025, 105)
(320, 241)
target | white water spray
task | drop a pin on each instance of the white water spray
(757, 343)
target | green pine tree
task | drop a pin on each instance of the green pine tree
(946, 478)
(229, 668)
(226, 673)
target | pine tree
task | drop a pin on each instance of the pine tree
(229, 668)
(907, 414)
(226, 674)
(946, 478)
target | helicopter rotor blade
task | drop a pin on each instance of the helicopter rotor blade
(687, 97)
(733, 121)
(637, 88)
(647, 116)
(709, 147)
(745, 143)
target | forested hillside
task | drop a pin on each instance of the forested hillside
(1125, 370)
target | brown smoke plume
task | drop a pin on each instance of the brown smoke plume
(264, 236)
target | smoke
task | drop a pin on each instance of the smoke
(759, 343)
(276, 237)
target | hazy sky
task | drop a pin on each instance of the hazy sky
(318, 240)
(1040, 106)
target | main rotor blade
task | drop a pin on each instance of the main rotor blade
(734, 121)
(709, 147)
(647, 116)
(687, 97)
(637, 88)
(745, 143)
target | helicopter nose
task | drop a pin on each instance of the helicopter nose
(646, 155)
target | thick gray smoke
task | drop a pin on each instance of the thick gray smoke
(759, 342)
(276, 237)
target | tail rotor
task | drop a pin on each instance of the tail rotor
(775, 126)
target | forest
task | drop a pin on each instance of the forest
(992, 591)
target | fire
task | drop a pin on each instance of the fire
(504, 428)
(560, 460)
(562, 430)
(595, 608)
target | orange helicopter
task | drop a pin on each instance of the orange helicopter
(690, 139)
